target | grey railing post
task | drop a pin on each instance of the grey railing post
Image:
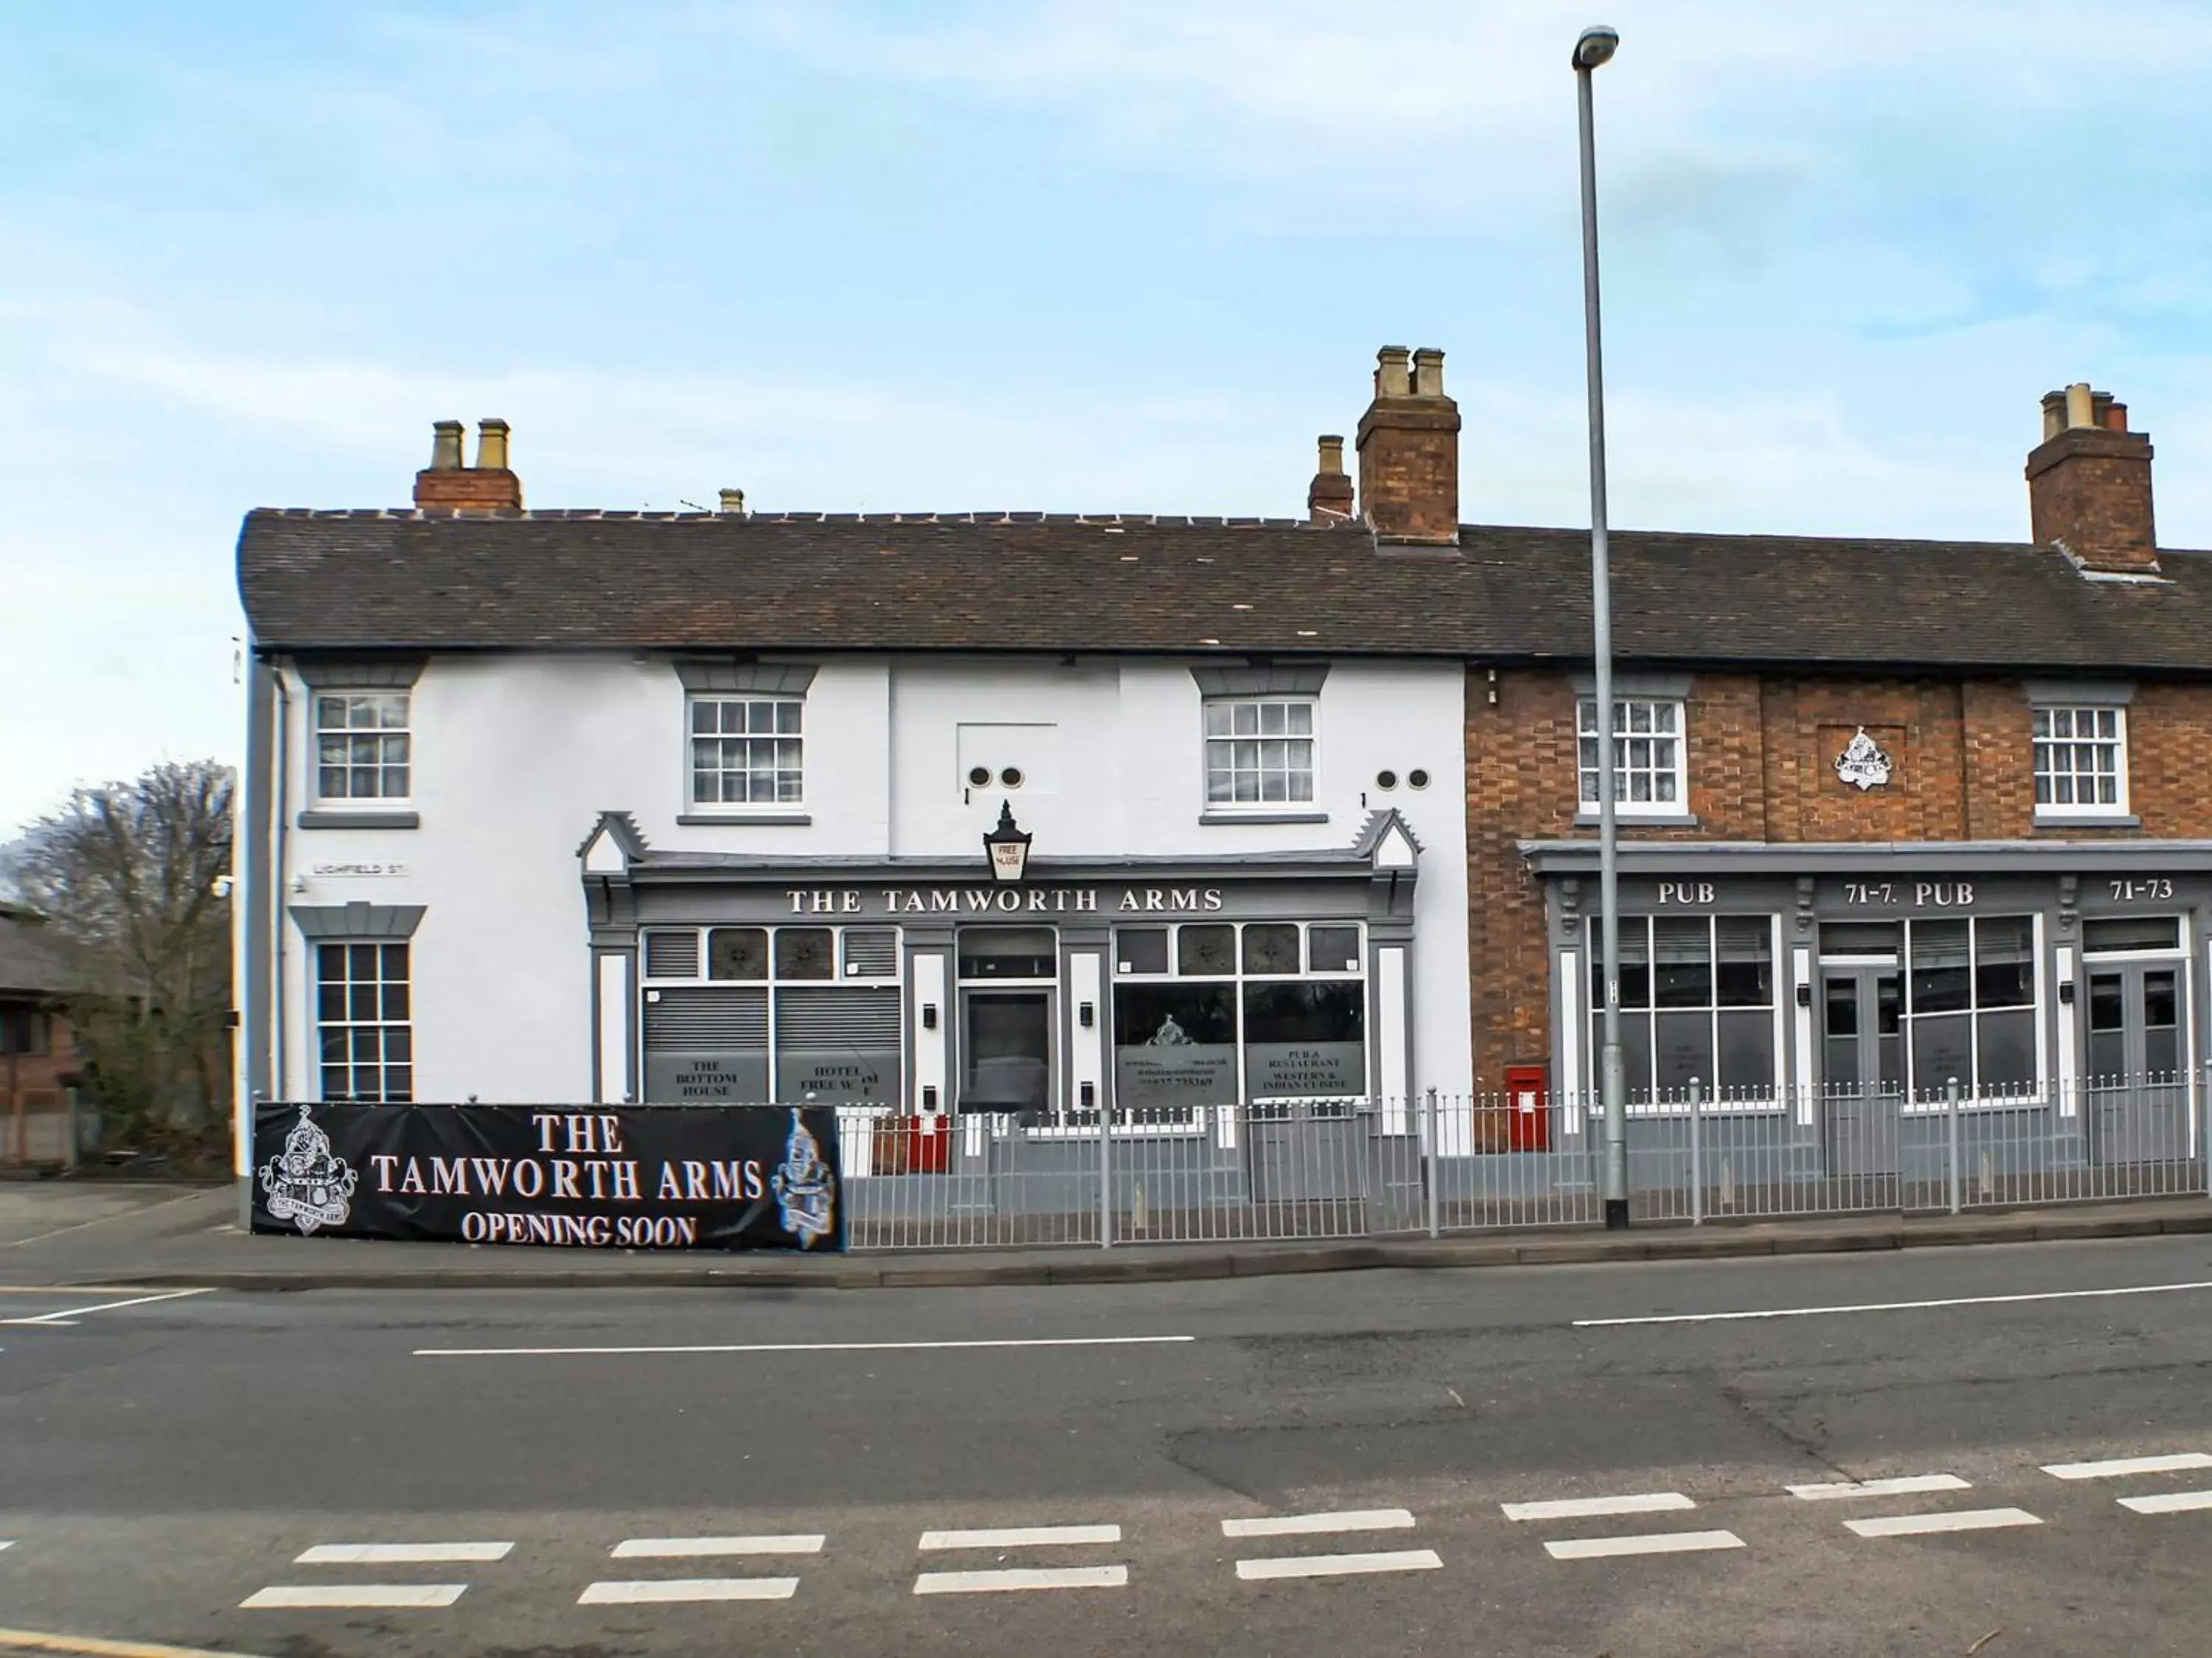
(1105, 1177)
(1697, 1155)
(1951, 1099)
(1431, 1166)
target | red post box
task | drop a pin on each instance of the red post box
(1528, 1108)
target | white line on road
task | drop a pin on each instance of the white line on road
(1590, 1508)
(71, 1314)
(2169, 1502)
(2120, 1466)
(1917, 1525)
(797, 1347)
(1894, 1306)
(1017, 1537)
(352, 1596)
(694, 1548)
(1905, 1485)
(1022, 1578)
(1602, 1548)
(399, 1554)
(1338, 1565)
(663, 1590)
(1298, 1525)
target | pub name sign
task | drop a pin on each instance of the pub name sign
(1026, 900)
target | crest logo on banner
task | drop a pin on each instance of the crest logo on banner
(805, 1188)
(1864, 764)
(307, 1183)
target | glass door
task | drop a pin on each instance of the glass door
(1006, 1050)
(2137, 1093)
(1862, 1065)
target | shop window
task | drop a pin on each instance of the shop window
(1648, 756)
(1970, 1006)
(1205, 1014)
(2081, 762)
(1259, 750)
(1697, 1007)
(708, 1013)
(363, 1024)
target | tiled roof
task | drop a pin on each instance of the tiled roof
(29, 960)
(1062, 582)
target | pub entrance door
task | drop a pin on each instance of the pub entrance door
(1863, 1064)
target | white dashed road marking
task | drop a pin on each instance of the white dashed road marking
(1590, 1508)
(1916, 1524)
(2124, 1465)
(2169, 1502)
(1018, 1537)
(69, 1315)
(1601, 1548)
(399, 1554)
(1338, 1565)
(1905, 1485)
(1022, 1578)
(352, 1596)
(695, 1548)
(662, 1591)
(1298, 1525)
(1895, 1306)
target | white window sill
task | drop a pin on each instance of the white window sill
(2039, 1101)
(1707, 1110)
(1214, 814)
(714, 820)
(2045, 819)
(360, 817)
(1587, 818)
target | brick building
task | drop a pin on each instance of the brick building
(38, 1057)
(1896, 812)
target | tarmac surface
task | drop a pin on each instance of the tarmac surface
(1888, 1451)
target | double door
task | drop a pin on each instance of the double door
(2137, 1069)
(1862, 1066)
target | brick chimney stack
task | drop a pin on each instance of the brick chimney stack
(2088, 486)
(1409, 451)
(1328, 497)
(489, 486)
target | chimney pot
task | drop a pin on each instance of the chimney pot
(2089, 485)
(446, 446)
(734, 500)
(1428, 372)
(491, 446)
(1390, 375)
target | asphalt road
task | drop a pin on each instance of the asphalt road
(164, 1466)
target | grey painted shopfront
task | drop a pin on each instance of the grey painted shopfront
(1825, 1002)
(998, 1022)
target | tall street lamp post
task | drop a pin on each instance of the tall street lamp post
(1593, 49)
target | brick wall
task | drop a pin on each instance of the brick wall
(1762, 752)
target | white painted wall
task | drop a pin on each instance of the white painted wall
(515, 756)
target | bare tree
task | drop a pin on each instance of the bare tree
(132, 880)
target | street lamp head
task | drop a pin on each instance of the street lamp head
(1594, 47)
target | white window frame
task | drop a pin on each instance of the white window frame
(2043, 744)
(693, 737)
(1771, 1103)
(382, 1025)
(1972, 1097)
(350, 696)
(1586, 804)
(1261, 701)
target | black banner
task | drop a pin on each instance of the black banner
(617, 1177)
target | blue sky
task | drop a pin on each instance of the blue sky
(1112, 256)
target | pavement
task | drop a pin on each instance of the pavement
(2003, 1451)
(181, 1236)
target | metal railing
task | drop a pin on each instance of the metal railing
(1283, 1170)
